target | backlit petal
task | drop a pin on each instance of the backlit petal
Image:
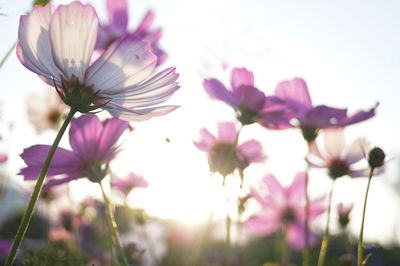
(34, 48)
(241, 77)
(118, 13)
(73, 33)
(126, 63)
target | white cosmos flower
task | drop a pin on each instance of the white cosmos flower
(339, 159)
(58, 46)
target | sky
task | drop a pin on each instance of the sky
(347, 51)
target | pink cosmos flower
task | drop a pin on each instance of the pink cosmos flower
(126, 184)
(117, 11)
(250, 104)
(338, 158)
(45, 112)
(285, 206)
(58, 46)
(224, 154)
(93, 143)
(312, 118)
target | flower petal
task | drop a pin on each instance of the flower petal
(359, 116)
(324, 117)
(297, 189)
(34, 46)
(84, 134)
(144, 25)
(216, 90)
(262, 225)
(295, 92)
(252, 151)
(151, 92)
(227, 132)
(125, 63)
(334, 142)
(295, 236)
(73, 33)
(356, 151)
(138, 115)
(249, 97)
(206, 141)
(117, 11)
(111, 132)
(64, 162)
(241, 77)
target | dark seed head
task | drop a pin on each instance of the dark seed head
(376, 157)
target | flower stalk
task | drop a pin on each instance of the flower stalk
(360, 249)
(36, 192)
(113, 229)
(325, 240)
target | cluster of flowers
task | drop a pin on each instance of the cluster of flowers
(287, 208)
(97, 67)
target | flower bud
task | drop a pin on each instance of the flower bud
(376, 157)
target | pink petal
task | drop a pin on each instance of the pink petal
(295, 92)
(118, 13)
(297, 189)
(295, 236)
(111, 132)
(73, 33)
(227, 132)
(241, 77)
(207, 140)
(317, 207)
(216, 90)
(252, 151)
(125, 63)
(262, 225)
(34, 48)
(145, 24)
(84, 134)
(64, 162)
(274, 187)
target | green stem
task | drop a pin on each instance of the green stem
(113, 228)
(325, 240)
(7, 55)
(36, 192)
(360, 260)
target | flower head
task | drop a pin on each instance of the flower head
(117, 27)
(285, 206)
(224, 154)
(344, 213)
(46, 112)
(338, 158)
(250, 104)
(313, 118)
(93, 143)
(376, 157)
(58, 46)
(126, 184)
